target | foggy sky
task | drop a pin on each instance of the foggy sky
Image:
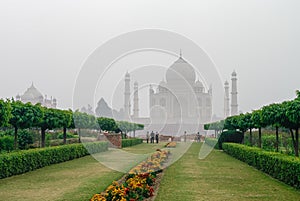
(47, 41)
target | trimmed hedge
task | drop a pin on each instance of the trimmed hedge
(23, 161)
(230, 136)
(282, 167)
(131, 142)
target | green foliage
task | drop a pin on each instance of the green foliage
(131, 142)
(107, 124)
(23, 161)
(6, 143)
(230, 136)
(279, 166)
(25, 138)
(5, 112)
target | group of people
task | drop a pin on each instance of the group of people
(152, 136)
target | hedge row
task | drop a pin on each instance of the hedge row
(23, 161)
(131, 142)
(282, 167)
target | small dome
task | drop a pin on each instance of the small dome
(226, 83)
(198, 84)
(162, 83)
(127, 74)
(181, 70)
(233, 73)
(32, 93)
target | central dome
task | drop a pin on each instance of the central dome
(181, 70)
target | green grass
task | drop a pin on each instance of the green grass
(75, 180)
(219, 177)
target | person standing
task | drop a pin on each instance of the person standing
(152, 137)
(198, 137)
(184, 136)
(156, 137)
(147, 137)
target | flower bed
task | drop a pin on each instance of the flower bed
(138, 183)
(171, 145)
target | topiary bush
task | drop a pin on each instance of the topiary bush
(6, 143)
(282, 167)
(131, 142)
(230, 136)
(23, 161)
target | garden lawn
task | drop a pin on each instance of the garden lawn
(219, 177)
(75, 180)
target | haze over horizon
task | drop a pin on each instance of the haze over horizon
(47, 43)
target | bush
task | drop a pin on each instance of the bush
(282, 167)
(230, 136)
(25, 138)
(23, 161)
(131, 142)
(6, 143)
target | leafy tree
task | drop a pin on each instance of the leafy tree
(273, 115)
(256, 118)
(81, 121)
(231, 123)
(66, 117)
(107, 124)
(52, 119)
(24, 116)
(5, 112)
(250, 125)
(293, 122)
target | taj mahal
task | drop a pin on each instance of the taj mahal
(179, 104)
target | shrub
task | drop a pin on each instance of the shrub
(230, 136)
(25, 138)
(23, 161)
(131, 142)
(282, 167)
(6, 143)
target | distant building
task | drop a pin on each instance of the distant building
(34, 96)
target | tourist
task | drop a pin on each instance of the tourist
(152, 137)
(156, 137)
(198, 137)
(184, 136)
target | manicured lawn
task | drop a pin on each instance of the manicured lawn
(219, 177)
(75, 180)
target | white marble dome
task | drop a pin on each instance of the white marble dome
(181, 70)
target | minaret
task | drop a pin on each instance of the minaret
(127, 97)
(234, 104)
(136, 100)
(226, 100)
(151, 92)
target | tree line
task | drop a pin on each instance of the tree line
(278, 115)
(19, 115)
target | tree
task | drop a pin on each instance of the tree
(256, 118)
(24, 116)
(273, 115)
(250, 125)
(66, 117)
(293, 121)
(5, 112)
(52, 119)
(242, 123)
(81, 121)
(107, 124)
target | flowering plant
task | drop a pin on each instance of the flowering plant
(138, 183)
